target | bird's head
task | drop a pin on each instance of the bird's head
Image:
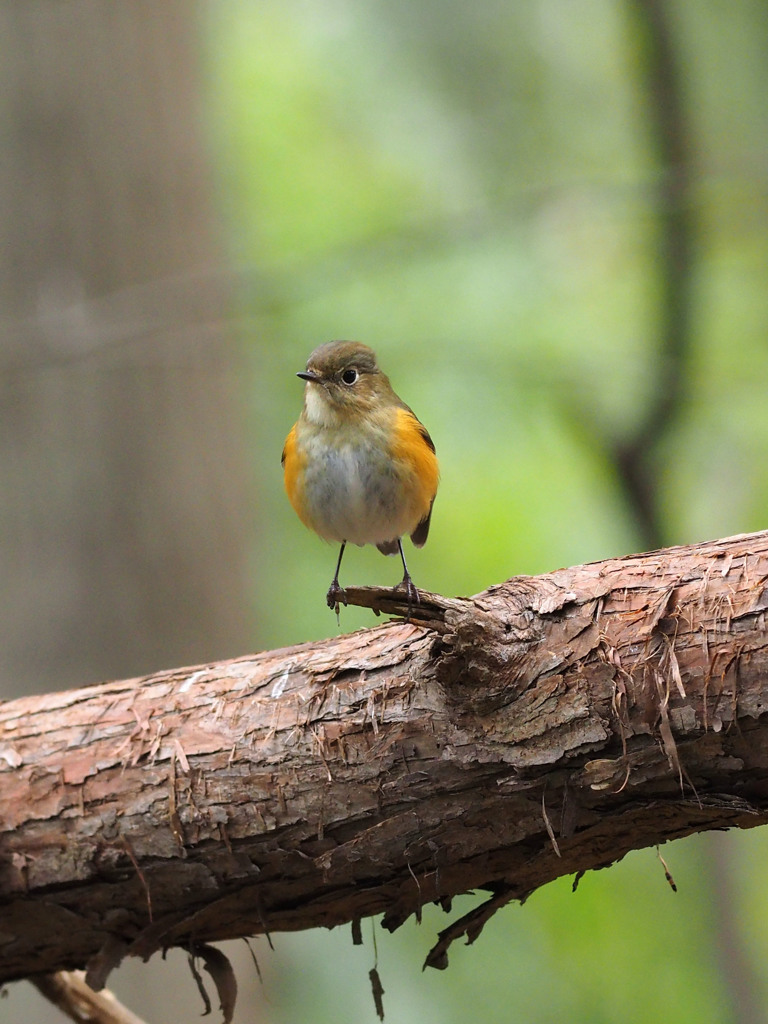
(344, 383)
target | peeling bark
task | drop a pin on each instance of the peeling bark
(546, 726)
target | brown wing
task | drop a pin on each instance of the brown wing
(420, 534)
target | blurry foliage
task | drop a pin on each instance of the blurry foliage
(469, 189)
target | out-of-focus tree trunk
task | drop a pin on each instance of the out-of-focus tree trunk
(123, 487)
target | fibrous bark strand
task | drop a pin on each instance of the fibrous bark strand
(546, 726)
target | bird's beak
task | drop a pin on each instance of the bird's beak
(309, 375)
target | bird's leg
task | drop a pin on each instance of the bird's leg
(410, 590)
(335, 592)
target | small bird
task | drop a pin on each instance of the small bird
(359, 466)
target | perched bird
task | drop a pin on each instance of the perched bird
(359, 466)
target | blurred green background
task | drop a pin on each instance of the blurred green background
(550, 220)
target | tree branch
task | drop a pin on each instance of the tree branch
(546, 726)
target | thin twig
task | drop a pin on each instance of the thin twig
(68, 991)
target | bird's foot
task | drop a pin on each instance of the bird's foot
(410, 592)
(336, 595)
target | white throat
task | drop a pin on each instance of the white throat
(318, 407)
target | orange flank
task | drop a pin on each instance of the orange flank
(413, 445)
(293, 463)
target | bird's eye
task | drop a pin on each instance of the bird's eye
(349, 376)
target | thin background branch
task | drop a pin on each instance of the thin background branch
(660, 82)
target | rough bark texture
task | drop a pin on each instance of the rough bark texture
(546, 726)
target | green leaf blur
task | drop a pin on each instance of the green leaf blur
(470, 189)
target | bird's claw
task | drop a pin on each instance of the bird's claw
(336, 595)
(411, 593)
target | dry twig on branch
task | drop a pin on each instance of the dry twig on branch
(544, 727)
(69, 991)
